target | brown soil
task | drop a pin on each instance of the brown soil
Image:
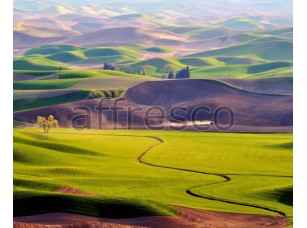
(187, 218)
(254, 112)
(70, 190)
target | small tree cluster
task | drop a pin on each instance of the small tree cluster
(183, 73)
(47, 123)
(109, 66)
(129, 70)
(143, 71)
(105, 94)
(166, 69)
(171, 75)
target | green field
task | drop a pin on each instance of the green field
(31, 103)
(247, 173)
(39, 93)
(72, 78)
(259, 54)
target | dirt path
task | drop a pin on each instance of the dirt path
(190, 190)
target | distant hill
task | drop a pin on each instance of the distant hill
(241, 24)
(22, 40)
(127, 35)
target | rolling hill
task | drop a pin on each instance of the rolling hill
(42, 31)
(241, 24)
(209, 33)
(155, 65)
(273, 50)
(270, 69)
(36, 63)
(23, 40)
(114, 36)
(190, 94)
(66, 57)
(50, 49)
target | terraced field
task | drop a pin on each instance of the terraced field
(242, 173)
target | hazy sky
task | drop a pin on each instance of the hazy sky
(275, 6)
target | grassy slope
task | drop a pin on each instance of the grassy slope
(45, 84)
(67, 56)
(84, 79)
(36, 63)
(44, 161)
(274, 50)
(241, 23)
(257, 165)
(29, 202)
(31, 103)
(51, 49)
(155, 65)
(158, 49)
(99, 52)
(103, 79)
(209, 33)
(52, 57)
(269, 69)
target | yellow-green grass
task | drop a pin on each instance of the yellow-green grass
(115, 59)
(103, 79)
(46, 84)
(158, 49)
(241, 23)
(209, 33)
(37, 63)
(68, 74)
(23, 94)
(110, 51)
(200, 62)
(31, 103)
(37, 72)
(136, 47)
(154, 66)
(233, 60)
(269, 69)
(83, 79)
(51, 49)
(259, 168)
(272, 50)
(67, 56)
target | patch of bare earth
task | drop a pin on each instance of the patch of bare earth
(187, 218)
(253, 112)
(70, 190)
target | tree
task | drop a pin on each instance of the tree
(48, 123)
(143, 71)
(188, 75)
(183, 73)
(171, 75)
(108, 66)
